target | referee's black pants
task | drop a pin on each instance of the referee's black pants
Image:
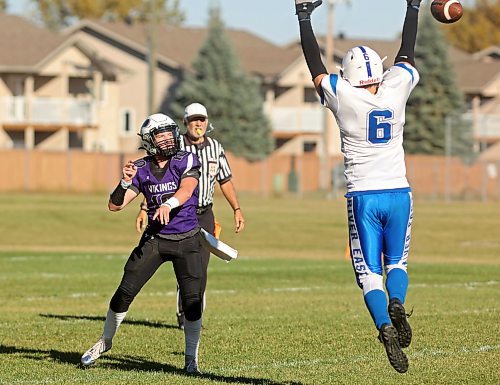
(206, 221)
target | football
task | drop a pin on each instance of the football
(446, 11)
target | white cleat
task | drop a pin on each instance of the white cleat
(91, 355)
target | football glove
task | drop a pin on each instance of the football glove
(304, 8)
(414, 3)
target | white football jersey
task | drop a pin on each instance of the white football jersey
(371, 128)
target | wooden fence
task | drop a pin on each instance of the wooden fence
(431, 177)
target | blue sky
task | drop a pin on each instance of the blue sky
(275, 21)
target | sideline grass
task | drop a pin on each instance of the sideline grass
(287, 312)
(465, 232)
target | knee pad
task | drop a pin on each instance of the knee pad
(369, 282)
(193, 306)
(121, 300)
(400, 265)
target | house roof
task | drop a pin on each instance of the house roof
(178, 46)
(23, 44)
(488, 53)
(474, 76)
(25, 47)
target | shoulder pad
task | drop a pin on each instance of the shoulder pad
(181, 155)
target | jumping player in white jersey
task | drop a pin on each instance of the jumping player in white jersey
(369, 106)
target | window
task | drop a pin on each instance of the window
(17, 138)
(127, 120)
(75, 140)
(310, 95)
(309, 146)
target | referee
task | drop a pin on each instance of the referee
(214, 167)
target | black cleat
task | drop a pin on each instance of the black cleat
(389, 337)
(399, 320)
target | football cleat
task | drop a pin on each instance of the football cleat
(91, 355)
(191, 366)
(399, 320)
(389, 337)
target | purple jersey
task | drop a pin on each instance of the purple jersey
(157, 191)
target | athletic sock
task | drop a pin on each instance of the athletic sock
(397, 284)
(192, 331)
(376, 302)
(111, 325)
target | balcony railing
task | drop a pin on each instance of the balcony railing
(297, 120)
(56, 111)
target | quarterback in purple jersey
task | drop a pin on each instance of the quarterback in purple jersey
(168, 178)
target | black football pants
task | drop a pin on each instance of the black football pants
(189, 267)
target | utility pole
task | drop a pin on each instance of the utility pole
(447, 154)
(151, 55)
(329, 122)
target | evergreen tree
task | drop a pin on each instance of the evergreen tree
(232, 98)
(435, 99)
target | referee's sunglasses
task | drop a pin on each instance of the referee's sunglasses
(196, 118)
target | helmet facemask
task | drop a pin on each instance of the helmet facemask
(168, 145)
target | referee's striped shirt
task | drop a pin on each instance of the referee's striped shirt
(214, 167)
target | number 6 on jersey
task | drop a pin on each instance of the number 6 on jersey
(379, 126)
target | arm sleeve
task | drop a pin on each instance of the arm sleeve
(310, 47)
(136, 184)
(190, 167)
(409, 37)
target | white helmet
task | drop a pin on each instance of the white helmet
(362, 66)
(153, 125)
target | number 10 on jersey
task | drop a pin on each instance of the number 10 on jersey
(379, 126)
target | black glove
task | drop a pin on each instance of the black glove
(304, 8)
(414, 3)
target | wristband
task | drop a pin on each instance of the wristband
(236, 209)
(172, 203)
(125, 184)
(117, 197)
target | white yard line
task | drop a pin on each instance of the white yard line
(423, 353)
(297, 289)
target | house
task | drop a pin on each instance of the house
(298, 120)
(55, 92)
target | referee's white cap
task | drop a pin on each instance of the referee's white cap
(195, 109)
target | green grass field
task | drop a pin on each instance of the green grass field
(287, 312)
